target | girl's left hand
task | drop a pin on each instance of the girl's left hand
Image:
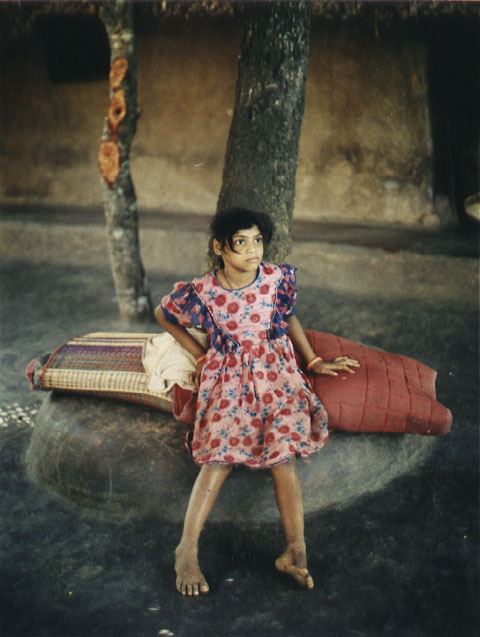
(331, 368)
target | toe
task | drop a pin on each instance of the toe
(309, 582)
(301, 575)
(304, 578)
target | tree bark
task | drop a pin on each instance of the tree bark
(262, 148)
(120, 204)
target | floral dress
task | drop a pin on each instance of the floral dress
(255, 406)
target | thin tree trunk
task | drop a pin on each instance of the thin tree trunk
(119, 198)
(262, 148)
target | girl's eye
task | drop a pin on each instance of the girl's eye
(239, 242)
(259, 240)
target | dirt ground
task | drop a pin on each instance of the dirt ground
(402, 561)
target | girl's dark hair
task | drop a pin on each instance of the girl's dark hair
(226, 223)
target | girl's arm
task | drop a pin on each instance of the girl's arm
(304, 349)
(299, 340)
(185, 339)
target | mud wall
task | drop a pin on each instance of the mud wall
(365, 149)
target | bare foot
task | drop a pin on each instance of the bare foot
(293, 562)
(190, 580)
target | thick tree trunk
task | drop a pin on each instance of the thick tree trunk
(262, 149)
(119, 198)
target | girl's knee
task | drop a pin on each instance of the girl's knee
(217, 468)
(289, 465)
(227, 468)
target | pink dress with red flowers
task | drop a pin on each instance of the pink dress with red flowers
(255, 406)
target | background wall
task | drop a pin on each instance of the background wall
(365, 151)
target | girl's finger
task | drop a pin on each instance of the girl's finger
(347, 361)
(343, 367)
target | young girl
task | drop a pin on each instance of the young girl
(255, 406)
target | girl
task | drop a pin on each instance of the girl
(255, 406)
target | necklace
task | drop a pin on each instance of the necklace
(229, 283)
(226, 279)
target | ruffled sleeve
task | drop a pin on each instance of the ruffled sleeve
(287, 291)
(182, 306)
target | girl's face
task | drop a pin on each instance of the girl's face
(247, 250)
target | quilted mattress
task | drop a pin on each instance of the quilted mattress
(389, 393)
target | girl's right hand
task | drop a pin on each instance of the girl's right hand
(197, 374)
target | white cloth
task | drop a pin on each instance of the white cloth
(167, 362)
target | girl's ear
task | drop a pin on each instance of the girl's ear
(217, 247)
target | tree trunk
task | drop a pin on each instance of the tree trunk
(119, 198)
(262, 148)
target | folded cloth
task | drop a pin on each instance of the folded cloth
(168, 363)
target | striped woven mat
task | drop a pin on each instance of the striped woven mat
(106, 364)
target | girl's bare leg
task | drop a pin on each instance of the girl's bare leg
(288, 494)
(190, 580)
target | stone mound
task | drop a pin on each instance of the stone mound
(128, 460)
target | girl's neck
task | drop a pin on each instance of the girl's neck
(234, 279)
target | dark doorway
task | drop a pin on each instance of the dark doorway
(454, 80)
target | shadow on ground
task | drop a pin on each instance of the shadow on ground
(403, 561)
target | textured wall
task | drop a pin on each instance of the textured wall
(364, 150)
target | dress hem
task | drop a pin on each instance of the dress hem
(259, 466)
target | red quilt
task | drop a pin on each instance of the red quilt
(389, 393)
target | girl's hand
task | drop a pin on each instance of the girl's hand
(197, 374)
(331, 368)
